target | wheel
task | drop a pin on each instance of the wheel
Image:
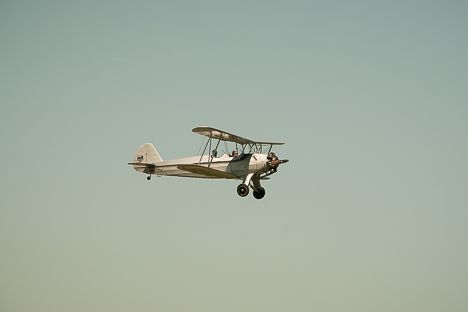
(148, 178)
(242, 190)
(259, 194)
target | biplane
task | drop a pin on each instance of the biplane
(222, 155)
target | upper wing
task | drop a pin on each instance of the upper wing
(222, 135)
(209, 172)
(226, 136)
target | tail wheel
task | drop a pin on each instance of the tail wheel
(148, 177)
(243, 190)
(260, 193)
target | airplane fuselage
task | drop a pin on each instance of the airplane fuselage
(239, 166)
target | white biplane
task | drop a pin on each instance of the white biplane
(249, 161)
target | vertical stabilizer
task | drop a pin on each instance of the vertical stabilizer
(147, 154)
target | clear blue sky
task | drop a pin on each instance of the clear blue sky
(369, 215)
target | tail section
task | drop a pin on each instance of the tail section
(147, 154)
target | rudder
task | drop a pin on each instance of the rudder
(147, 154)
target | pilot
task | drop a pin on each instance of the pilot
(234, 154)
(214, 153)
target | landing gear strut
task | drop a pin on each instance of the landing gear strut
(243, 188)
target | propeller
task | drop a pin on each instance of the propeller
(273, 161)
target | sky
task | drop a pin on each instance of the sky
(370, 214)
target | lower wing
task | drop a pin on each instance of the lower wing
(206, 171)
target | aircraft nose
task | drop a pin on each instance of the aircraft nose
(274, 162)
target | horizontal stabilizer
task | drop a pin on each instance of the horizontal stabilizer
(206, 171)
(142, 167)
(152, 166)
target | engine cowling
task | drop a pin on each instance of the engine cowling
(274, 161)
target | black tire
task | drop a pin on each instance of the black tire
(259, 194)
(148, 178)
(243, 190)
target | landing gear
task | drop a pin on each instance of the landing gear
(243, 190)
(148, 177)
(254, 182)
(259, 193)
